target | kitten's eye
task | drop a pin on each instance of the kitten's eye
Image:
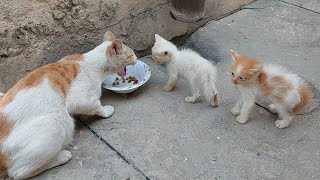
(241, 78)
(165, 53)
(232, 74)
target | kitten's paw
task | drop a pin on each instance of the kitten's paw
(63, 157)
(242, 119)
(282, 123)
(235, 111)
(215, 100)
(1, 94)
(107, 111)
(272, 108)
(167, 88)
(190, 99)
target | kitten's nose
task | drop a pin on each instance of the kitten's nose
(234, 81)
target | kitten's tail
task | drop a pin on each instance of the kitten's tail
(210, 90)
(306, 100)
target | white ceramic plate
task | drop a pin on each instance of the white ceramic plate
(140, 71)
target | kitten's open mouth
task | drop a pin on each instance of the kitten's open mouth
(123, 72)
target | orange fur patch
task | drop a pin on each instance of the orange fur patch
(3, 165)
(5, 129)
(305, 98)
(282, 84)
(265, 87)
(72, 58)
(60, 75)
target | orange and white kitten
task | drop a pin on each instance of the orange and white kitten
(187, 64)
(36, 121)
(288, 92)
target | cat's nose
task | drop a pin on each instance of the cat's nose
(154, 57)
(234, 81)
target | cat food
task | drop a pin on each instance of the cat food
(129, 79)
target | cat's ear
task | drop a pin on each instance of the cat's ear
(116, 47)
(234, 55)
(256, 68)
(157, 37)
(108, 36)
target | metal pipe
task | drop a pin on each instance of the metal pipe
(187, 10)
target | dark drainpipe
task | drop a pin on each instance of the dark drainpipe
(187, 10)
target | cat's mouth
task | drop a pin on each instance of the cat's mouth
(123, 72)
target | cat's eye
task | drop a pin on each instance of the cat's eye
(232, 74)
(241, 78)
(165, 53)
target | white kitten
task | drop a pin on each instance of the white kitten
(36, 121)
(188, 64)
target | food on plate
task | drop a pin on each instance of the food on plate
(130, 79)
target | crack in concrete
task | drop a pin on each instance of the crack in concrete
(285, 2)
(114, 149)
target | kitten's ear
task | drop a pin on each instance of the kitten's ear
(234, 55)
(157, 37)
(256, 68)
(108, 36)
(116, 47)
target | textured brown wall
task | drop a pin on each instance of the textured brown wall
(42, 31)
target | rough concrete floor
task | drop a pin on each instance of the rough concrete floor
(162, 137)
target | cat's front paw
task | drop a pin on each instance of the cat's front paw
(190, 99)
(106, 111)
(167, 88)
(242, 119)
(235, 111)
(282, 123)
(63, 157)
(272, 108)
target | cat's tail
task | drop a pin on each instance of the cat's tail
(307, 100)
(210, 90)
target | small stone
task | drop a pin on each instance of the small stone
(58, 14)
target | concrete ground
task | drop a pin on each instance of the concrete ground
(156, 135)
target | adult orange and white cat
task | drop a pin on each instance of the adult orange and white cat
(288, 92)
(36, 121)
(187, 64)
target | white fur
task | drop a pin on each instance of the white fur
(188, 64)
(244, 105)
(43, 125)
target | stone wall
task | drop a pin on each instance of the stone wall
(37, 32)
